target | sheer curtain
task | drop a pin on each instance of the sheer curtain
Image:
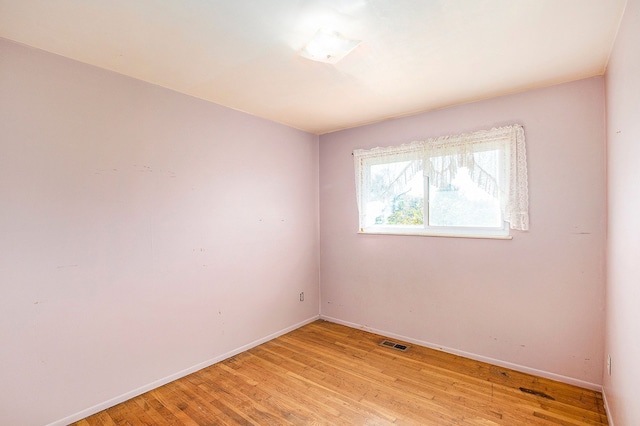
(495, 159)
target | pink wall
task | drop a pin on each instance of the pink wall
(623, 249)
(143, 233)
(535, 302)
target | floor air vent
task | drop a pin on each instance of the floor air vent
(394, 345)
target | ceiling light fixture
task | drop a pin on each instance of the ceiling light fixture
(328, 46)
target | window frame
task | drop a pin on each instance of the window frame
(365, 159)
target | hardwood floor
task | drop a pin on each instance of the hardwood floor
(328, 374)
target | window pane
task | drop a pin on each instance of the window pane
(462, 203)
(396, 194)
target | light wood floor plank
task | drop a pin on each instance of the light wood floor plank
(328, 374)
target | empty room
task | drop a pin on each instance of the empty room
(335, 212)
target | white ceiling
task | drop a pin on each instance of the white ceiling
(415, 55)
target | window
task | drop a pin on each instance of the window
(471, 185)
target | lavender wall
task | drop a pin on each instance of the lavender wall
(144, 233)
(623, 250)
(535, 302)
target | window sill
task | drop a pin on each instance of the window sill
(439, 234)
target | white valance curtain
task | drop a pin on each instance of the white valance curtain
(495, 159)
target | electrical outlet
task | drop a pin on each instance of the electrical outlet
(609, 364)
(302, 296)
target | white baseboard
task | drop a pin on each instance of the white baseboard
(157, 383)
(606, 407)
(497, 362)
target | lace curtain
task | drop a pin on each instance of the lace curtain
(495, 159)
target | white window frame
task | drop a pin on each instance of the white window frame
(512, 185)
